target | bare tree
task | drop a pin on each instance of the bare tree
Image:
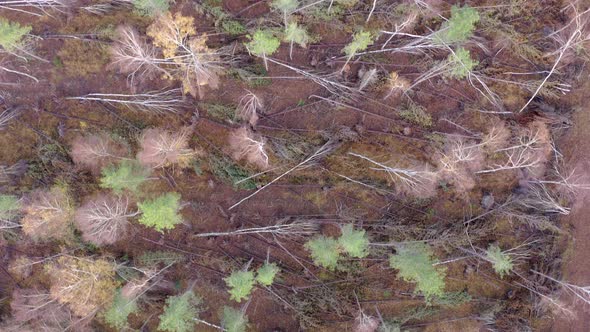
(161, 148)
(539, 198)
(135, 57)
(96, 151)
(6, 116)
(247, 107)
(7, 173)
(245, 145)
(103, 219)
(414, 181)
(530, 151)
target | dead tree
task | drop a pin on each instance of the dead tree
(96, 151)
(161, 148)
(157, 102)
(48, 214)
(297, 228)
(104, 219)
(245, 145)
(247, 107)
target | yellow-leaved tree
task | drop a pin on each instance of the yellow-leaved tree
(84, 284)
(193, 62)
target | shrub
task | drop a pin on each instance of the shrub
(161, 213)
(354, 242)
(179, 313)
(501, 261)
(461, 63)
(415, 264)
(9, 207)
(116, 315)
(233, 320)
(151, 7)
(127, 175)
(416, 114)
(265, 274)
(324, 251)
(12, 34)
(240, 284)
(460, 26)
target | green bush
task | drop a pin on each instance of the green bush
(233, 320)
(179, 313)
(415, 264)
(460, 26)
(354, 242)
(240, 284)
(501, 261)
(116, 315)
(161, 213)
(265, 274)
(325, 251)
(461, 63)
(12, 34)
(9, 207)
(151, 7)
(127, 175)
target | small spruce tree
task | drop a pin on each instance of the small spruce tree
(501, 261)
(12, 34)
(240, 284)
(127, 175)
(415, 264)
(265, 274)
(179, 313)
(233, 320)
(325, 251)
(263, 43)
(354, 242)
(161, 213)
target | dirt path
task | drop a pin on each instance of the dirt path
(576, 148)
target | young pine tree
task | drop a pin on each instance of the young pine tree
(233, 320)
(116, 315)
(161, 213)
(360, 41)
(9, 207)
(240, 284)
(325, 251)
(179, 313)
(127, 175)
(294, 34)
(460, 26)
(12, 34)
(501, 261)
(415, 264)
(263, 44)
(265, 275)
(354, 242)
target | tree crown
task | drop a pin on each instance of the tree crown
(127, 175)
(263, 43)
(179, 313)
(234, 320)
(12, 34)
(501, 261)
(240, 284)
(161, 213)
(265, 274)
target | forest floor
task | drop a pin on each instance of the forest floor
(576, 148)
